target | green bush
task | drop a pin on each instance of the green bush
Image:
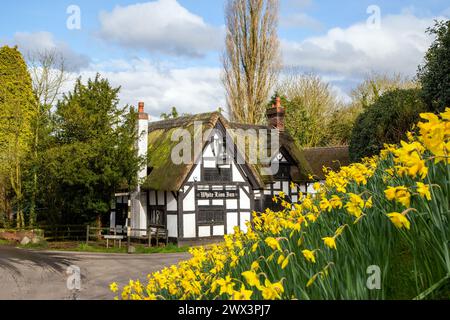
(386, 121)
(434, 74)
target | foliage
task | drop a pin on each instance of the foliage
(92, 155)
(309, 104)
(17, 114)
(173, 114)
(340, 125)
(48, 73)
(368, 214)
(386, 121)
(375, 85)
(434, 74)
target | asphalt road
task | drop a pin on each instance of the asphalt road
(43, 275)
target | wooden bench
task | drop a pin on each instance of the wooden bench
(116, 234)
(158, 232)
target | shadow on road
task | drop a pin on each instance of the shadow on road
(11, 258)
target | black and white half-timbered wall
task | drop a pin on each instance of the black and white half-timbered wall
(214, 194)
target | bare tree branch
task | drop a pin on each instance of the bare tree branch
(251, 60)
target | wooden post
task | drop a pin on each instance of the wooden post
(129, 226)
(149, 235)
(87, 235)
(157, 237)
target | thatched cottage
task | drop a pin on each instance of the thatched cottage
(208, 197)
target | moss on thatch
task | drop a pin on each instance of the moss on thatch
(329, 157)
(167, 176)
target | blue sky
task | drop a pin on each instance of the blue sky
(167, 52)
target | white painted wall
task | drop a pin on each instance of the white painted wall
(161, 198)
(143, 212)
(172, 204)
(189, 201)
(112, 219)
(245, 216)
(196, 174)
(189, 225)
(285, 187)
(152, 197)
(218, 230)
(232, 204)
(245, 200)
(172, 225)
(204, 231)
(237, 176)
(232, 221)
(143, 145)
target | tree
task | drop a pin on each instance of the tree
(17, 113)
(434, 74)
(375, 85)
(364, 95)
(93, 155)
(341, 125)
(386, 121)
(48, 74)
(251, 61)
(173, 114)
(309, 104)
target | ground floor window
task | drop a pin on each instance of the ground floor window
(211, 215)
(157, 216)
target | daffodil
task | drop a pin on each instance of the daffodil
(400, 194)
(325, 205)
(243, 294)
(114, 287)
(330, 242)
(255, 266)
(423, 190)
(272, 291)
(252, 278)
(336, 202)
(399, 220)
(273, 243)
(226, 285)
(309, 255)
(355, 205)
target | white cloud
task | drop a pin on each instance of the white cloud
(190, 90)
(300, 20)
(29, 43)
(160, 26)
(398, 46)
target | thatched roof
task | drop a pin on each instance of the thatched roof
(329, 157)
(167, 176)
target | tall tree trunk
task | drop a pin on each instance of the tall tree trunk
(33, 215)
(252, 59)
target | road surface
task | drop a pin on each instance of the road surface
(42, 275)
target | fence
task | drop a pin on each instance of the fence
(156, 232)
(64, 232)
(89, 233)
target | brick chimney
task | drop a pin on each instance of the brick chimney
(275, 115)
(142, 143)
(142, 114)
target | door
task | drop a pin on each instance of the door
(211, 221)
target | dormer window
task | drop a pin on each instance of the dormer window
(219, 149)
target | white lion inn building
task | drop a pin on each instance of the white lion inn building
(215, 184)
